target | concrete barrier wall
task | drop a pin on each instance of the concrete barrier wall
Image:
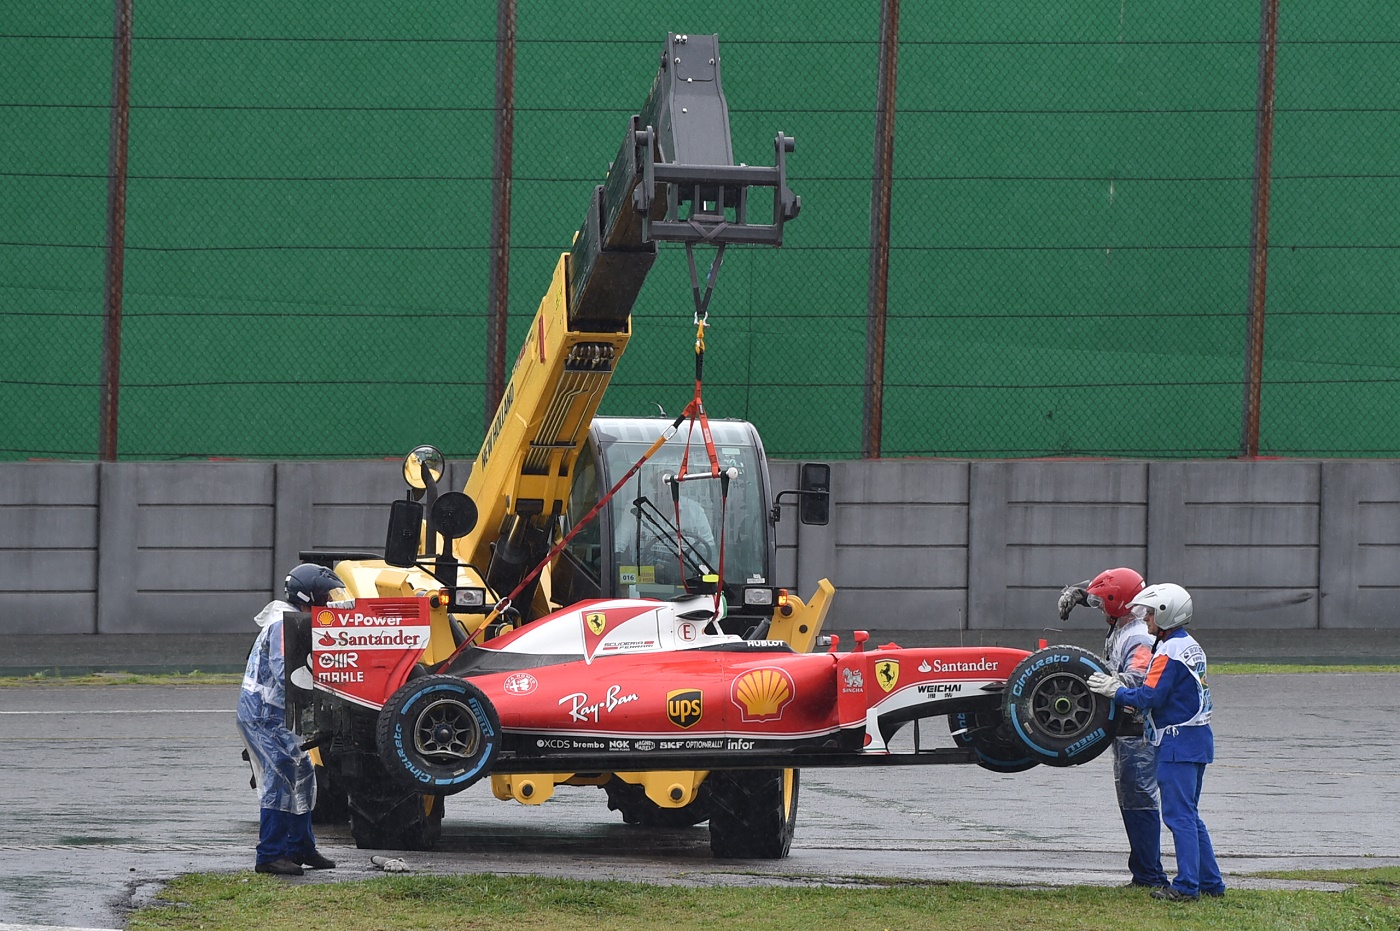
(48, 548)
(912, 544)
(987, 545)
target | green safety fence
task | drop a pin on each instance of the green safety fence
(1073, 215)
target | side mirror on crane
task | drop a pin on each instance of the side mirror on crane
(813, 495)
(814, 481)
(405, 529)
(421, 470)
(450, 514)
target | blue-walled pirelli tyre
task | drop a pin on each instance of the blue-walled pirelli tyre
(438, 735)
(988, 735)
(1050, 710)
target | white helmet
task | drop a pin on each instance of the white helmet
(1170, 604)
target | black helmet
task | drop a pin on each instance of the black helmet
(310, 584)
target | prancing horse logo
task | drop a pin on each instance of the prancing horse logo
(596, 623)
(887, 673)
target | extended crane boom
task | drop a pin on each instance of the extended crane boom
(540, 465)
(673, 180)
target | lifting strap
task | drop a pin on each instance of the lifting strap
(694, 411)
(505, 603)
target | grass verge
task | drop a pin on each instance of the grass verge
(1237, 669)
(250, 902)
(194, 677)
(1382, 877)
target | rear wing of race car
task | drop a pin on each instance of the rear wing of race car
(362, 654)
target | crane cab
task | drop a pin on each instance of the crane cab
(634, 550)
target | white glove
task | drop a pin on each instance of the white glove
(1071, 596)
(1106, 686)
(390, 864)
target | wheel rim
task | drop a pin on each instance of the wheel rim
(1062, 705)
(446, 728)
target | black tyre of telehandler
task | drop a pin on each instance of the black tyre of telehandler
(384, 817)
(632, 802)
(332, 803)
(753, 814)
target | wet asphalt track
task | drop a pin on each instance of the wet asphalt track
(106, 792)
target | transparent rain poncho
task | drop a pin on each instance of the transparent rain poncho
(285, 775)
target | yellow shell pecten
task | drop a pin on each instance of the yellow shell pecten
(763, 692)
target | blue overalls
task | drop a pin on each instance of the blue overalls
(1177, 700)
(1128, 651)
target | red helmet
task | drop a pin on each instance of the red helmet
(1113, 590)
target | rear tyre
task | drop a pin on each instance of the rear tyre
(438, 734)
(988, 735)
(1051, 711)
(754, 813)
(636, 808)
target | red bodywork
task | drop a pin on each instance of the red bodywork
(642, 678)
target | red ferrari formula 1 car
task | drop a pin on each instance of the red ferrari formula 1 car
(637, 685)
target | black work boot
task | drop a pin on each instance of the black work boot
(279, 867)
(1172, 894)
(314, 860)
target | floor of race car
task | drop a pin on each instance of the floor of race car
(110, 791)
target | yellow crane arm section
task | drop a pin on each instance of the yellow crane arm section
(525, 467)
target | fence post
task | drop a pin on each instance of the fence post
(116, 231)
(1259, 230)
(881, 183)
(501, 178)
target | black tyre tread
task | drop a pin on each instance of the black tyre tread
(332, 806)
(384, 817)
(632, 802)
(748, 821)
(422, 834)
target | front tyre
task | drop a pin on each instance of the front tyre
(988, 735)
(438, 735)
(1051, 711)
